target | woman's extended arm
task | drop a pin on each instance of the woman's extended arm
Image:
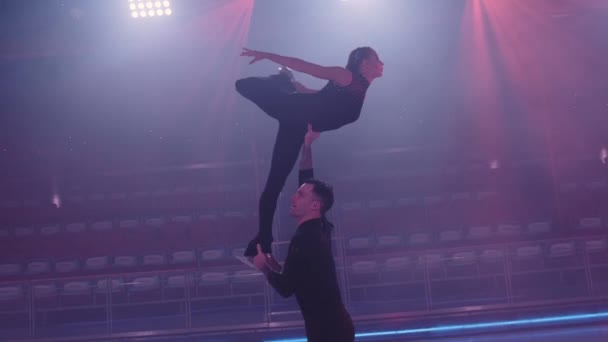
(339, 75)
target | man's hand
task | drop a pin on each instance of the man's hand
(310, 136)
(259, 261)
(257, 55)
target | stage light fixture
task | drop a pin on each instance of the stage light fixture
(149, 8)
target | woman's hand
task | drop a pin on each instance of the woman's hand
(257, 55)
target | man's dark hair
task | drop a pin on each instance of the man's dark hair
(324, 192)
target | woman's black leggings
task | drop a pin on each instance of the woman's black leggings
(271, 95)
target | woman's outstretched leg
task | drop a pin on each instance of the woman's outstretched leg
(284, 156)
(270, 93)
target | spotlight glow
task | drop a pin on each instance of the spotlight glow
(149, 8)
(487, 325)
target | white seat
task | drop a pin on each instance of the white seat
(141, 194)
(10, 269)
(10, 293)
(562, 249)
(116, 285)
(214, 278)
(37, 267)
(238, 252)
(75, 199)
(508, 230)
(432, 260)
(11, 204)
(97, 263)
(406, 201)
(31, 202)
(397, 263)
(118, 196)
(359, 243)
(419, 238)
(450, 235)
(125, 261)
(247, 276)
(24, 231)
(128, 223)
(181, 219)
(96, 197)
(382, 203)
(492, 255)
(181, 257)
(213, 254)
(352, 206)
(235, 214)
(161, 192)
(568, 187)
(101, 225)
(145, 283)
(44, 290)
(208, 217)
(482, 195)
(389, 240)
(367, 266)
(596, 185)
(590, 223)
(480, 232)
(154, 221)
(179, 281)
(460, 196)
(154, 259)
(76, 287)
(66, 266)
(75, 227)
(528, 252)
(463, 258)
(596, 246)
(434, 199)
(539, 227)
(181, 190)
(49, 230)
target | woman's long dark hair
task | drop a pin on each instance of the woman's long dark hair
(356, 56)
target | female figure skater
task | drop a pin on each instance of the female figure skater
(338, 103)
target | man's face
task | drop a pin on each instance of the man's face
(304, 202)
